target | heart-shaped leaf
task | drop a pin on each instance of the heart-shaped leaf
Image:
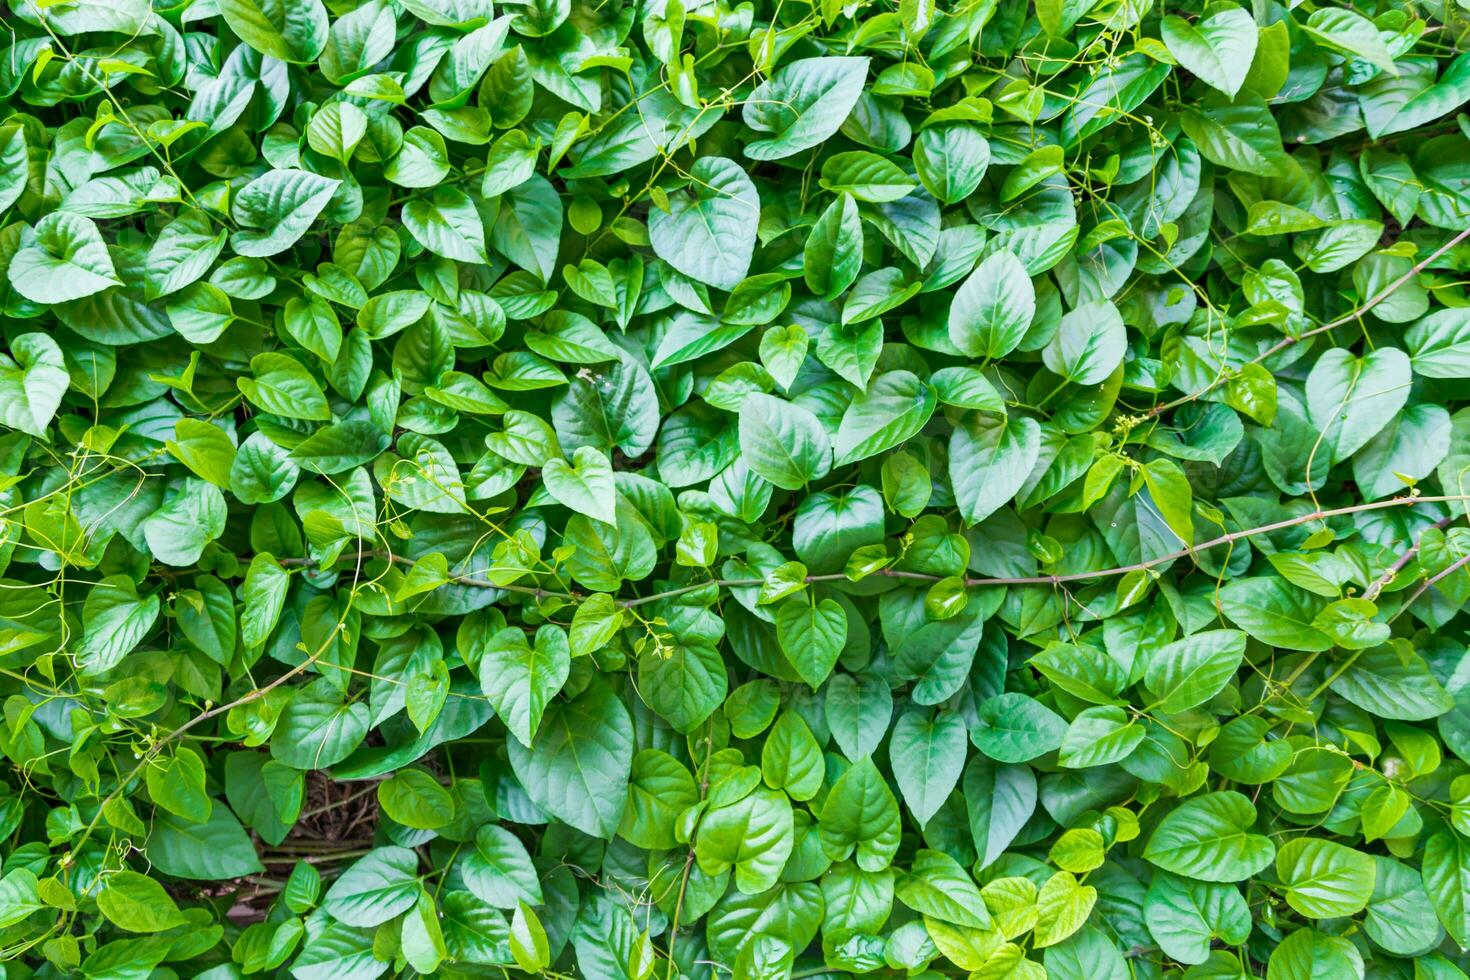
(1218, 49)
(708, 233)
(586, 485)
(32, 384)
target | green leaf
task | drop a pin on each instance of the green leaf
(811, 635)
(782, 442)
(860, 817)
(276, 209)
(1099, 736)
(1089, 344)
(520, 680)
(1185, 917)
(137, 903)
(1189, 672)
(415, 799)
(1015, 728)
(1349, 399)
(499, 871)
(1411, 445)
(19, 897)
(176, 783)
(709, 232)
(285, 29)
(1392, 681)
(1208, 838)
(1324, 879)
(13, 159)
(115, 619)
(280, 385)
(936, 886)
(791, 759)
(1239, 135)
(585, 485)
(1308, 953)
(1216, 49)
(374, 889)
(1439, 345)
(1063, 905)
(206, 449)
(994, 307)
(528, 940)
(266, 584)
(1395, 918)
(578, 768)
(1414, 97)
(951, 160)
(894, 408)
(802, 104)
(833, 253)
(1275, 613)
(446, 223)
(63, 258)
(990, 458)
(660, 789)
(999, 799)
(32, 383)
(684, 684)
(858, 710)
(927, 755)
(1447, 879)
(752, 835)
(528, 228)
(192, 516)
(866, 176)
(216, 850)
(1350, 33)
(422, 938)
(318, 729)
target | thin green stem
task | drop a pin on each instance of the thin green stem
(1053, 580)
(1348, 317)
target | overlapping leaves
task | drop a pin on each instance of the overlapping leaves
(753, 490)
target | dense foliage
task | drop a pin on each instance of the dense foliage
(691, 488)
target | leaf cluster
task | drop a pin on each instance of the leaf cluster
(698, 489)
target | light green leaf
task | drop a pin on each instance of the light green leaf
(802, 104)
(990, 458)
(1189, 672)
(1208, 838)
(1015, 728)
(374, 889)
(993, 309)
(32, 382)
(520, 679)
(709, 232)
(894, 408)
(276, 209)
(291, 30)
(861, 814)
(63, 258)
(499, 871)
(1217, 49)
(446, 223)
(752, 835)
(811, 635)
(1324, 879)
(1089, 344)
(927, 754)
(585, 485)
